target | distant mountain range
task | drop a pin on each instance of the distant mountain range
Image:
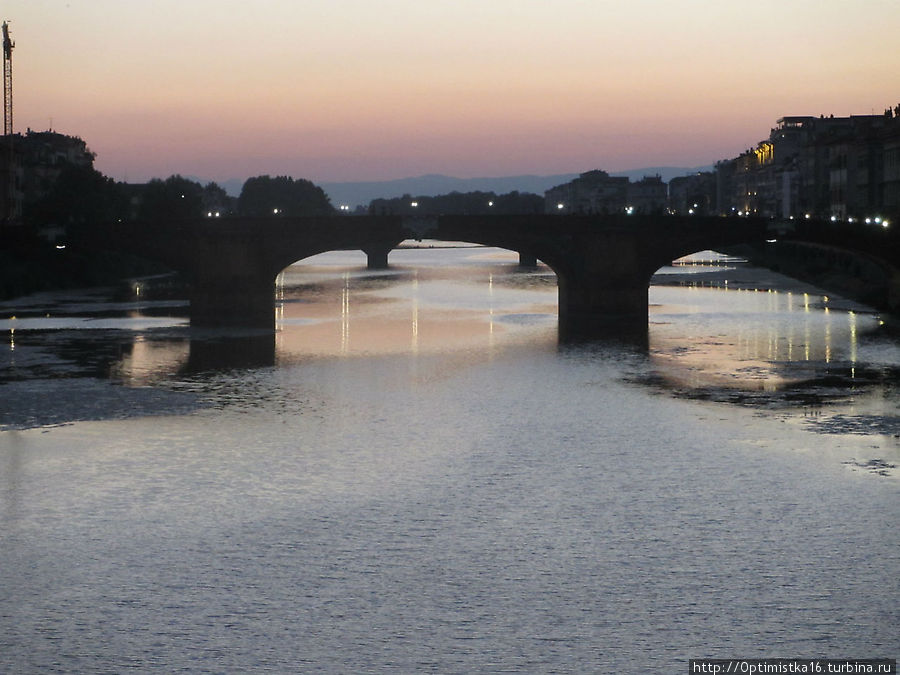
(362, 192)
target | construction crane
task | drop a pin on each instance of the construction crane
(7, 81)
(11, 214)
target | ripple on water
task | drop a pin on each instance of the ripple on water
(51, 402)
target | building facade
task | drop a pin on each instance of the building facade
(693, 194)
(828, 167)
(30, 165)
(650, 195)
(592, 192)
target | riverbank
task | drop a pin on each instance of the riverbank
(749, 276)
(31, 265)
(852, 274)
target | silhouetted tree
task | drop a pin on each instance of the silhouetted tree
(263, 195)
(81, 195)
(216, 200)
(174, 198)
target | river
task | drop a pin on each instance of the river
(416, 476)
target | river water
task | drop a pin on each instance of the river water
(416, 476)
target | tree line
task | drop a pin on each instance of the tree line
(82, 195)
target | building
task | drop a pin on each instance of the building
(841, 167)
(592, 192)
(30, 165)
(693, 194)
(44, 155)
(648, 195)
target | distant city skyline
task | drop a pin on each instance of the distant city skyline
(348, 90)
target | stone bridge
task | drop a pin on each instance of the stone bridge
(603, 263)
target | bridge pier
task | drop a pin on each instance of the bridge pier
(241, 351)
(604, 281)
(377, 257)
(527, 260)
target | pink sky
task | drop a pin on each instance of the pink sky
(335, 90)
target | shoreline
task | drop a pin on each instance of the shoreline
(747, 276)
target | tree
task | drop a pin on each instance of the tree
(81, 195)
(174, 198)
(282, 195)
(216, 201)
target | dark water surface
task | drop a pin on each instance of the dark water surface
(414, 475)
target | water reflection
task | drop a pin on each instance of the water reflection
(230, 353)
(754, 340)
(345, 314)
(415, 313)
(330, 310)
(719, 329)
(145, 360)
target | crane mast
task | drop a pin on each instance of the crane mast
(11, 214)
(8, 45)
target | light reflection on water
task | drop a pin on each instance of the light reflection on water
(414, 475)
(331, 310)
(772, 337)
(724, 326)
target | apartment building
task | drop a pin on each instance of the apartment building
(841, 167)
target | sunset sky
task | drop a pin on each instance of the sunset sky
(335, 90)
